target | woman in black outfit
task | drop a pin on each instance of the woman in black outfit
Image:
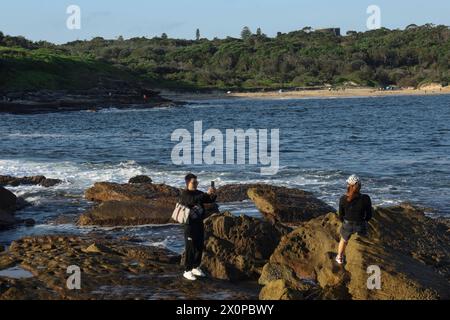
(355, 210)
(194, 228)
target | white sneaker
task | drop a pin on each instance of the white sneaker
(339, 259)
(188, 275)
(198, 272)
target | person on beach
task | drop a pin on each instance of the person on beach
(194, 228)
(355, 211)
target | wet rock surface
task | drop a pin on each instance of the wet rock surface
(411, 250)
(109, 270)
(35, 180)
(8, 200)
(286, 205)
(9, 204)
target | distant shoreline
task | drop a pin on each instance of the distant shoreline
(50, 101)
(299, 94)
(55, 101)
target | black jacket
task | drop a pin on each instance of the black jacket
(196, 200)
(357, 210)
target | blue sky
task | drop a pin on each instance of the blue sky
(46, 19)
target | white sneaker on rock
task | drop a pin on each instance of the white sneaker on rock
(198, 272)
(339, 259)
(189, 275)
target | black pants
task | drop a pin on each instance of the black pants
(194, 239)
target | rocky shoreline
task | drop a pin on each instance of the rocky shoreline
(47, 101)
(288, 254)
(36, 180)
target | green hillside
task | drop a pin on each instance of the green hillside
(301, 58)
(33, 69)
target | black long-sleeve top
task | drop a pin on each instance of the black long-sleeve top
(357, 210)
(197, 198)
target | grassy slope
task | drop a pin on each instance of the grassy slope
(22, 69)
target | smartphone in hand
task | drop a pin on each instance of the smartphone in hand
(212, 189)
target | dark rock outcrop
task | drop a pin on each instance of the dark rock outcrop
(9, 204)
(140, 179)
(411, 250)
(236, 248)
(107, 191)
(287, 205)
(35, 180)
(110, 269)
(119, 95)
(125, 213)
(8, 200)
(234, 192)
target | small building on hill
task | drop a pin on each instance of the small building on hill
(335, 31)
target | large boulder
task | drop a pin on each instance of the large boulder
(107, 191)
(125, 213)
(35, 180)
(236, 248)
(234, 192)
(140, 179)
(8, 200)
(132, 204)
(8, 204)
(411, 250)
(287, 205)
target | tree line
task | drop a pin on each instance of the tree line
(302, 58)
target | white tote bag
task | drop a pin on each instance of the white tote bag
(181, 213)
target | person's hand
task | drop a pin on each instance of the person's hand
(212, 191)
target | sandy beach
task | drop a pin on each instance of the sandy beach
(299, 94)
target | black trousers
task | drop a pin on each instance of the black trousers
(194, 238)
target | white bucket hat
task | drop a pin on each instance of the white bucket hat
(353, 179)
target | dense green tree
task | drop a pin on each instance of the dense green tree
(246, 33)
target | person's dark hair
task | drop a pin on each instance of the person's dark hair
(189, 177)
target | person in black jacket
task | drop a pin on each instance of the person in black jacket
(194, 228)
(355, 210)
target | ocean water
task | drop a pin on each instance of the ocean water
(399, 146)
